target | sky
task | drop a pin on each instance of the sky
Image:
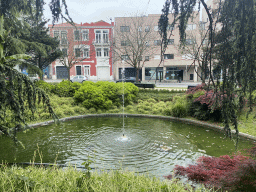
(87, 11)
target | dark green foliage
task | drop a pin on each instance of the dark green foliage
(17, 94)
(104, 95)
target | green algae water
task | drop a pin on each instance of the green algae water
(150, 145)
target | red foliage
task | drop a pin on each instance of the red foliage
(229, 173)
(197, 88)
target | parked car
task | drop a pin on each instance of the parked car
(78, 78)
(33, 77)
(128, 79)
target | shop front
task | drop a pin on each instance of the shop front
(174, 73)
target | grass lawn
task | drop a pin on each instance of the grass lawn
(70, 180)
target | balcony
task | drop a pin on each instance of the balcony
(105, 43)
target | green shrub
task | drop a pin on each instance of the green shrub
(66, 88)
(80, 109)
(104, 95)
(179, 109)
(45, 86)
(92, 110)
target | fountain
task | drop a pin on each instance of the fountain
(157, 145)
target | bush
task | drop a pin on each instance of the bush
(104, 95)
(45, 86)
(92, 96)
(177, 108)
(235, 173)
(204, 104)
(66, 88)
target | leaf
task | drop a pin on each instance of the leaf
(18, 56)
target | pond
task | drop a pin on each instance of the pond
(151, 145)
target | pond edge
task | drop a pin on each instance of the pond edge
(188, 121)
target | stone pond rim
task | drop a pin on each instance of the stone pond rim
(188, 121)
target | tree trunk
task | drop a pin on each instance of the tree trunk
(137, 75)
(68, 73)
(41, 68)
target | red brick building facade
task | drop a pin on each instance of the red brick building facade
(86, 47)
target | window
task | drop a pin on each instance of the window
(65, 52)
(202, 25)
(77, 52)
(77, 35)
(98, 36)
(191, 26)
(170, 27)
(147, 44)
(86, 53)
(140, 58)
(124, 28)
(170, 41)
(105, 36)
(157, 57)
(87, 71)
(125, 57)
(147, 29)
(105, 52)
(56, 34)
(140, 29)
(168, 56)
(205, 41)
(85, 35)
(173, 73)
(101, 36)
(156, 28)
(146, 58)
(98, 52)
(190, 41)
(123, 43)
(64, 40)
(157, 42)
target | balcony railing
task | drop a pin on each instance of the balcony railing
(101, 43)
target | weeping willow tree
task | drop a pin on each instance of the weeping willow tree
(233, 48)
(19, 96)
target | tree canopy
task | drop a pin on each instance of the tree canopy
(232, 48)
(19, 96)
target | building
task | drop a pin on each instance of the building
(86, 49)
(176, 64)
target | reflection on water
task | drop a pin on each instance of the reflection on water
(151, 145)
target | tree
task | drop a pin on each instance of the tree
(233, 47)
(195, 48)
(41, 46)
(133, 43)
(18, 93)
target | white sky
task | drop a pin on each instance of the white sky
(87, 11)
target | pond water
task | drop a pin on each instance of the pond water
(149, 145)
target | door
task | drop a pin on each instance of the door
(103, 73)
(78, 70)
(87, 71)
(61, 72)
